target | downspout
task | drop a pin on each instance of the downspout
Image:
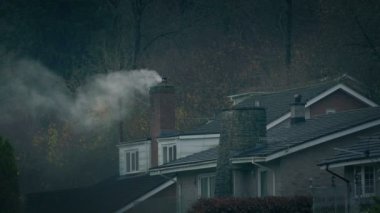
(274, 174)
(347, 206)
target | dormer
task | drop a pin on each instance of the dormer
(134, 157)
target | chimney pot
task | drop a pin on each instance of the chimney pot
(297, 110)
(297, 98)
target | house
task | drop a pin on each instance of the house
(279, 161)
(268, 143)
(360, 162)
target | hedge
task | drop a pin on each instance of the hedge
(297, 204)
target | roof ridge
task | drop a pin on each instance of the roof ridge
(311, 85)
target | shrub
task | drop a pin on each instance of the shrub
(298, 204)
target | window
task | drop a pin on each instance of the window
(132, 161)
(206, 186)
(169, 153)
(364, 180)
(262, 182)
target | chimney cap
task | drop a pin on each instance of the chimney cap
(163, 87)
(297, 98)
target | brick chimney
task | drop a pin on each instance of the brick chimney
(241, 128)
(162, 100)
(297, 110)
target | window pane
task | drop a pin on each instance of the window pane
(358, 181)
(137, 161)
(165, 153)
(264, 190)
(133, 162)
(369, 178)
(174, 152)
(204, 188)
(212, 186)
(170, 154)
(128, 159)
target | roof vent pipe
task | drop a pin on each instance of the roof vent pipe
(297, 110)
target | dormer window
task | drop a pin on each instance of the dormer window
(132, 161)
(169, 153)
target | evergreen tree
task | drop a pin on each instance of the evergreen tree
(9, 192)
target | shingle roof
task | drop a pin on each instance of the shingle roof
(117, 191)
(283, 137)
(207, 155)
(275, 103)
(364, 148)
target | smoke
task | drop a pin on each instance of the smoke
(30, 88)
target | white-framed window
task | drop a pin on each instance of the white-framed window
(132, 161)
(206, 185)
(169, 153)
(364, 179)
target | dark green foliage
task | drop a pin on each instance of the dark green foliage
(299, 204)
(376, 207)
(9, 194)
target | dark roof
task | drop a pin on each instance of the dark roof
(364, 148)
(107, 196)
(275, 103)
(278, 103)
(211, 127)
(285, 136)
(204, 156)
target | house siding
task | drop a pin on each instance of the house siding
(339, 100)
(188, 184)
(296, 172)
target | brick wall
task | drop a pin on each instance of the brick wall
(295, 170)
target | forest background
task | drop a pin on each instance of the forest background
(207, 49)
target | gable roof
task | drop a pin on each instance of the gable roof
(365, 150)
(283, 140)
(286, 137)
(277, 104)
(117, 191)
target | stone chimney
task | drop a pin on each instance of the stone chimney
(162, 100)
(297, 110)
(241, 128)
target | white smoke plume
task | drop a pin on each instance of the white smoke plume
(31, 88)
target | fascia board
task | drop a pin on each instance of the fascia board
(351, 163)
(182, 168)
